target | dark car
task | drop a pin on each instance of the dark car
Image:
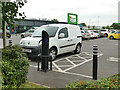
(7, 33)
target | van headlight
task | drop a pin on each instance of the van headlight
(40, 43)
(22, 43)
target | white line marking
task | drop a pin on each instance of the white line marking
(70, 61)
(74, 74)
(113, 59)
(82, 58)
(57, 67)
(33, 66)
(74, 66)
(78, 74)
(78, 61)
(87, 53)
(64, 65)
(63, 58)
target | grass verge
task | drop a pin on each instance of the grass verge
(31, 85)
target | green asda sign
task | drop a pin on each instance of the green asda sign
(72, 18)
(117, 23)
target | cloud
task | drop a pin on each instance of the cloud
(87, 10)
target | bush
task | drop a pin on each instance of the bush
(14, 66)
(110, 82)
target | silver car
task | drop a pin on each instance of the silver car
(96, 33)
(92, 34)
(27, 33)
(85, 34)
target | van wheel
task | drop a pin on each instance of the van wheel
(53, 53)
(78, 49)
(22, 36)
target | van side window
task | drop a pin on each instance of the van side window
(65, 31)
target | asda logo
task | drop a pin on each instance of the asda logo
(72, 18)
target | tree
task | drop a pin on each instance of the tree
(116, 25)
(83, 24)
(54, 20)
(103, 27)
(88, 26)
(93, 27)
(9, 15)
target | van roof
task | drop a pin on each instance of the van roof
(61, 25)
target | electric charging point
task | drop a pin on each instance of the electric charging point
(45, 51)
(44, 55)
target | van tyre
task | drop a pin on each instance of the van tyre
(22, 36)
(53, 53)
(78, 49)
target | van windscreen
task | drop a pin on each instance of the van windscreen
(51, 30)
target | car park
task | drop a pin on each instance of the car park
(115, 35)
(27, 33)
(63, 38)
(8, 34)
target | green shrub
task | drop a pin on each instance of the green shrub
(110, 82)
(14, 66)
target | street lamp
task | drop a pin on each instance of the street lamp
(98, 20)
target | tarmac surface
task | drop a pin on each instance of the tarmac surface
(70, 67)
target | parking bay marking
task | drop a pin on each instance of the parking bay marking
(113, 59)
(72, 65)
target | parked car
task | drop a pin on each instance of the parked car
(82, 33)
(63, 38)
(7, 33)
(97, 33)
(106, 32)
(115, 35)
(101, 34)
(92, 34)
(27, 33)
(85, 34)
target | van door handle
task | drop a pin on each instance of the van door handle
(69, 40)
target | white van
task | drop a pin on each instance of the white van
(63, 38)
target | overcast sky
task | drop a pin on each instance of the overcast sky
(91, 12)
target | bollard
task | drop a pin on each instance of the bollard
(95, 51)
(10, 42)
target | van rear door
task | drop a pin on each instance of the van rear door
(72, 37)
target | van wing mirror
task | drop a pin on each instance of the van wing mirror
(61, 35)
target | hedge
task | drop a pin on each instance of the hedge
(14, 67)
(108, 83)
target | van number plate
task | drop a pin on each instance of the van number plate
(27, 50)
